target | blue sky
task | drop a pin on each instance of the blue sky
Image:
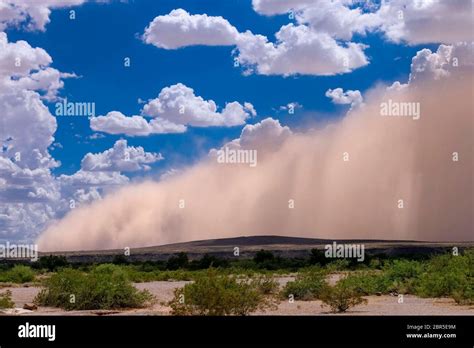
(95, 44)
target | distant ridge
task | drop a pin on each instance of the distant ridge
(249, 245)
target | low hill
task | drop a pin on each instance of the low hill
(249, 245)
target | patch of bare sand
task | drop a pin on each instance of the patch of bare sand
(378, 305)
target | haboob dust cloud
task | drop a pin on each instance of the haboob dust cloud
(390, 159)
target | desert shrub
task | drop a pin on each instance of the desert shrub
(105, 287)
(403, 275)
(18, 274)
(307, 286)
(375, 263)
(215, 294)
(266, 284)
(403, 269)
(338, 265)
(341, 296)
(448, 276)
(368, 283)
(464, 295)
(6, 300)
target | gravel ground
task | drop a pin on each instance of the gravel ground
(163, 290)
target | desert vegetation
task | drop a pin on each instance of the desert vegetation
(240, 287)
(6, 300)
(105, 287)
(218, 294)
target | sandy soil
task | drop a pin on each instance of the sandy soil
(163, 290)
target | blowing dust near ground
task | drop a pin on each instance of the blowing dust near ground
(390, 159)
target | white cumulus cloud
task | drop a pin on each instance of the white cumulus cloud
(117, 123)
(351, 97)
(33, 13)
(299, 49)
(179, 105)
(179, 29)
(120, 158)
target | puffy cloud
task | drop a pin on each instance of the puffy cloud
(175, 108)
(310, 47)
(431, 66)
(23, 67)
(331, 17)
(439, 64)
(48, 80)
(34, 13)
(272, 7)
(120, 158)
(299, 50)
(338, 96)
(179, 105)
(179, 29)
(411, 21)
(83, 196)
(425, 21)
(250, 108)
(117, 123)
(267, 135)
(22, 221)
(27, 125)
(30, 196)
(19, 58)
(83, 178)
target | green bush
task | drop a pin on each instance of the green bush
(449, 276)
(341, 296)
(105, 287)
(307, 286)
(464, 295)
(338, 265)
(17, 274)
(216, 294)
(368, 283)
(6, 300)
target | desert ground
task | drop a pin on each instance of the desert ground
(163, 291)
